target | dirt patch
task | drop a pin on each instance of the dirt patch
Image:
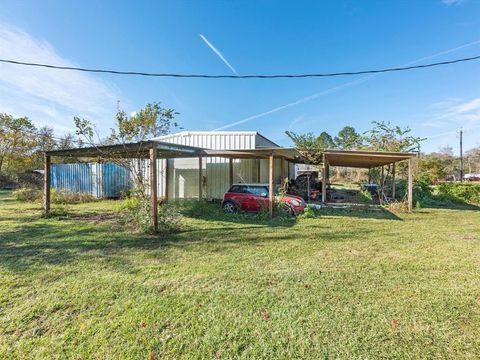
(94, 218)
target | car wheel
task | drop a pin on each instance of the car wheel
(229, 207)
(288, 210)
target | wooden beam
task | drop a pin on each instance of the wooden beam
(270, 186)
(46, 184)
(410, 184)
(200, 178)
(393, 181)
(324, 179)
(230, 171)
(153, 188)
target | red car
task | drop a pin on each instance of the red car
(254, 198)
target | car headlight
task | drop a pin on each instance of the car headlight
(295, 202)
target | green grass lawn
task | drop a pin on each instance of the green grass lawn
(343, 285)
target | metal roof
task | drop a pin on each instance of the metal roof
(363, 158)
(171, 150)
(131, 150)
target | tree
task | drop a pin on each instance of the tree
(446, 150)
(311, 146)
(152, 121)
(17, 139)
(386, 137)
(325, 141)
(348, 139)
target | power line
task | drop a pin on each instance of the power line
(204, 76)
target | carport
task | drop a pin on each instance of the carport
(366, 160)
(154, 150)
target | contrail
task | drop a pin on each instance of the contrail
(219, 54)
(452, 132)
(338, 88)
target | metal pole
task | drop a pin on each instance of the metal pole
(153, 188)
(461, 155)
(46, 184)
(270, 186)
(410, 184)
(200, 178)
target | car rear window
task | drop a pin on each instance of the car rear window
(237, 189)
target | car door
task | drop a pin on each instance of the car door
(257, 201)
(239, 195)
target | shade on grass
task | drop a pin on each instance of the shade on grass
(339, 286)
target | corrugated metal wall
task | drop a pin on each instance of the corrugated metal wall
(100, 180)
(214, 141)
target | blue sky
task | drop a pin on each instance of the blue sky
(253, 37)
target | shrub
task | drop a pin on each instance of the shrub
(422, 191)
(136, 212)
(66, 197)
(460, 192)
(365, 197)
(27, 195)
(310, 212)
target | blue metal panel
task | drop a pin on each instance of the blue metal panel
(99, 180)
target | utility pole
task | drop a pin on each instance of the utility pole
(461, 155)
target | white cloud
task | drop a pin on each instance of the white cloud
(49, 97)
(218, 53)
(452, 115)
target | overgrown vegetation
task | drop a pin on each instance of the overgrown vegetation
(460, 192)
(136, 212)
(56, 196)
(345, 285)
(444, 195)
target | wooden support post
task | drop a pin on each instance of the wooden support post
(410, 184)
(167, 175)
(153, 188)
(46, 185)
(393, 181)
(282, 169)
(200, 178)
(270, 186)
(259, 169)
(382, 186)
(230, 171)
(324, 179)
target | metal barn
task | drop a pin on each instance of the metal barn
(184, 172)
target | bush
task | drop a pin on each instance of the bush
(422, 191)
(365, 197)
(27, 195)
(65, 197)
(460, 192)
(136, 212)
(56, 196)
(310, 212)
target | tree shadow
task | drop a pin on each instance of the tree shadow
(36, 245)
(378, 213)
